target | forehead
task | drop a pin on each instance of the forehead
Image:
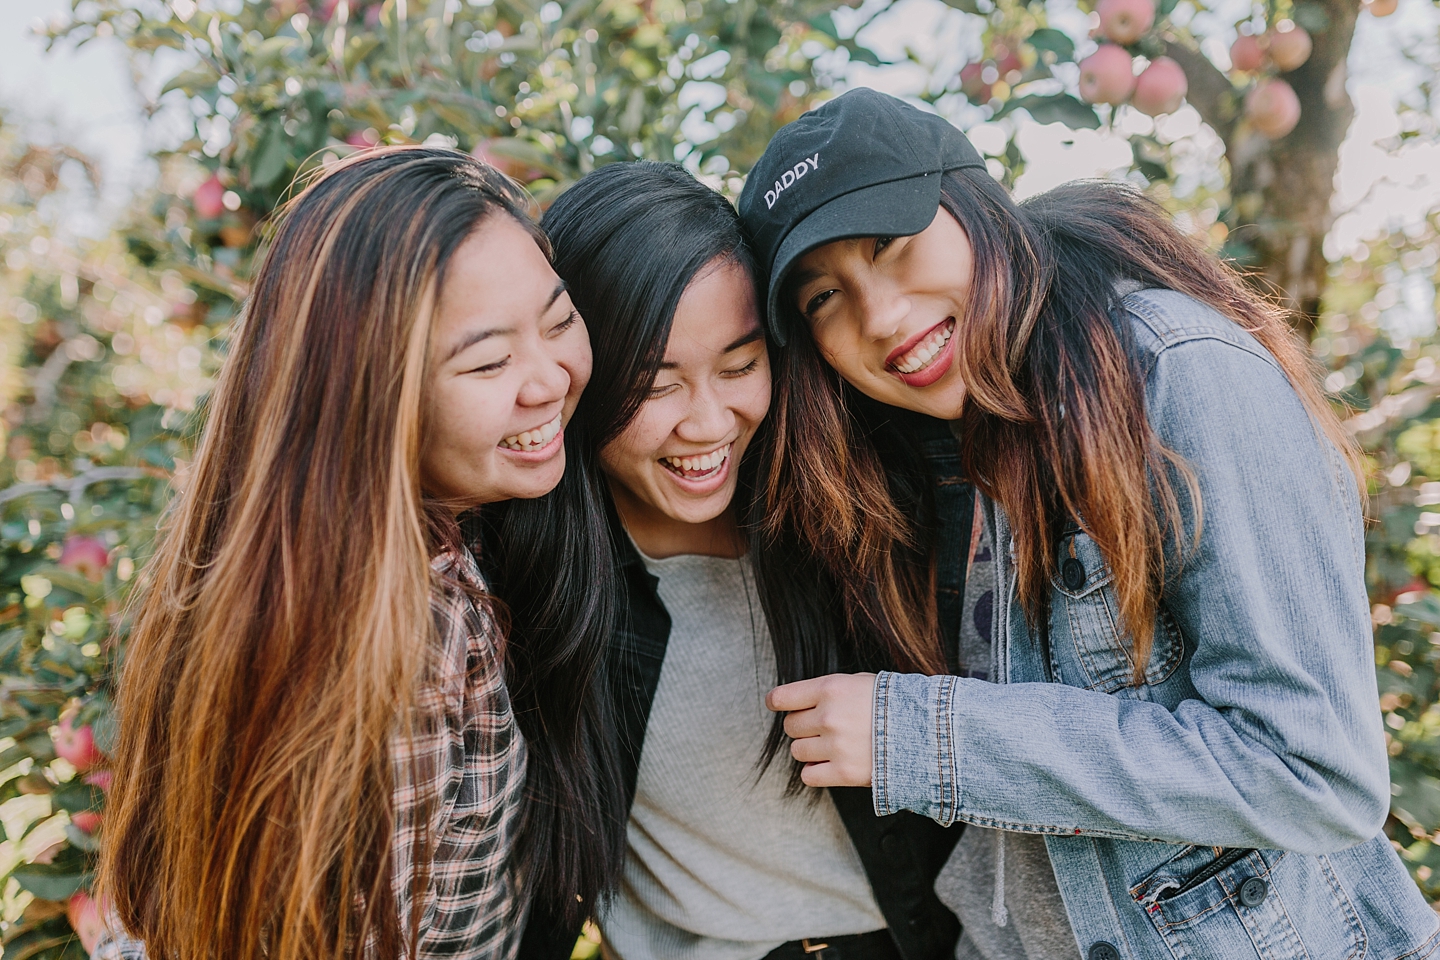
(716, 309)
(497, 274)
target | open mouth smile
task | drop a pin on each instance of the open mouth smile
(701, 467)
(531, 441)
(914, 358)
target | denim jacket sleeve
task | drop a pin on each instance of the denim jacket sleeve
(1280, 743)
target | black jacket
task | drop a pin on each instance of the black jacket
(901, 853)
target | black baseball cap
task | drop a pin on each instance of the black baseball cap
(862, 165)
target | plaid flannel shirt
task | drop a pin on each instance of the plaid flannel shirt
(466, 766)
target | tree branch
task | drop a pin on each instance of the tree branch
(1211, 92)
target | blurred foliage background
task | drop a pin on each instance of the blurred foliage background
(107, 343)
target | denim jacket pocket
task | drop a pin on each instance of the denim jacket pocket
(1206, 902)
(1088, 646)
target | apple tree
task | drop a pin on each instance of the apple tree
(107, 346)
(1277, 101)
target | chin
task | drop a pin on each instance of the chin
(703, 511)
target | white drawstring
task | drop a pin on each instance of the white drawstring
(998, 914)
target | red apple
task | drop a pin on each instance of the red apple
(1273, 108)
(209, 198)
(86, 821)
(1382, 8)
(363, 139)
(86, 919)
(1247, 53)
(85, 556)
(1125, 21)
(99, 778)
(1160, 88)
(1106, 75)
(974, 87)
(515, 169)
(76, 744)
(1289, 46)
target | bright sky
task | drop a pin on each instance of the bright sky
(86, 97)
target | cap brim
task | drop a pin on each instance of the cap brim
(897, 208)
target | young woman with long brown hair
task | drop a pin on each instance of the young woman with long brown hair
(318, 755)
(1178, 749)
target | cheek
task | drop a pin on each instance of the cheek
(634, 451)
(473, 414)
(577, 361)
(839, 344)
(754, 404)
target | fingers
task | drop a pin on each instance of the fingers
(819, 775)
(811, 750)
(832, 774)
(804, 723)
(800, 695)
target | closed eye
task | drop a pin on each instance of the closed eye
(567, 323)
(748, 368)
(815, 302)
(491, 367)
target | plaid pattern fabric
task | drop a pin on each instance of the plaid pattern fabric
(465, 765)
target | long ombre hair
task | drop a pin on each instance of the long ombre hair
(1054, 427)
(284, 627)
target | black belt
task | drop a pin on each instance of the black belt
(875, 945)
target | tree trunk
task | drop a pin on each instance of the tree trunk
(1281, 190)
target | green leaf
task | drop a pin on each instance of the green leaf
(969, 6)
(76, 795)
(81, 840)
(54, 881)
(826, 25)
(861, 54)
(1166, 7)
(1312, 17)
(270, 156)
(191, 81)
(1148, 154)
(1056, 108)
(1054, 41)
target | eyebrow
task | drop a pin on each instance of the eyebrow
(476, 336)
(799, 278)
(745, 339)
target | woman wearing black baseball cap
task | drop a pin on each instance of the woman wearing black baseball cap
(1180, 727)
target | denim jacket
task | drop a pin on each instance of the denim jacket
(1230, 806)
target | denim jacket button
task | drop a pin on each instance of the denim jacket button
(1072, 571)
(1253, 891)
(1103, 951)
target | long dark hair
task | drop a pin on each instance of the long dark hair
(1054, 427)
(629, 239)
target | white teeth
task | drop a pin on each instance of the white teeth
(534, 438)
(926, 350)
(705, 463)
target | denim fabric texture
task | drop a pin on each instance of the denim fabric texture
(1229, 807)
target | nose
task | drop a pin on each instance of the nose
(708, 420)
(883, 309)
(546, 382)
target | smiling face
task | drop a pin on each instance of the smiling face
(883, 311)
(509, 356)
(673, 469)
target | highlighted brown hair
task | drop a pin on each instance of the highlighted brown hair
(1054, 427)
(285, 625)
